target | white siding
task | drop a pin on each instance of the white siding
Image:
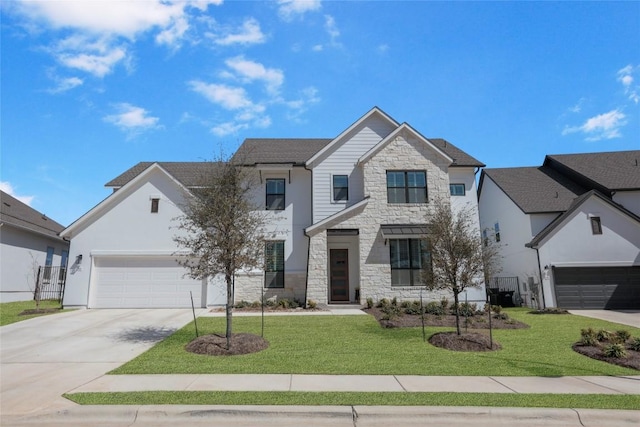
(629, 199)
(341, 160)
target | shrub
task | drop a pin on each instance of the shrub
(413, 308)
(256, 304)
(444, 303)
(394, 301)
(435, 308)
(635, 344)
(588, 336)
(623, 336)
(405, 304)
(391, 312)
(242, 304)
(369, 302)
(466, 309)
(604, 335)
(383, 303)
(311, 304)
(501, 316)
(615, 350)
(496, 309)
(271, 302)
(284, 303)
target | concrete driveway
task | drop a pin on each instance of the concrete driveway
(624, 317)
(44, 357)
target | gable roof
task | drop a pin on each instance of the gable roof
(460, 158)
(189, 174)
(14, 212)
(535, 189)
(294, 151)
(114, 197)
(609, 171)
(556, 223)
(387, 139)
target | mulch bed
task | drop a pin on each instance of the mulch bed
(215, 345)
(475, 322)
(469, 341)
(631, 361)
(39, 311)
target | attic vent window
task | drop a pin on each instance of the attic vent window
(596, 225)
(155, 204)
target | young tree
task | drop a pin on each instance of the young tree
(457, 256)
(222, 228)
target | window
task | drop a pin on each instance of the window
(274, 264)
(63, 264)
(155, 204)
(596, 225)
(48, 262)
(275, 194)
(496, 229)
(408, 256)
(406, 187)
(340, 188)
(485, 237)
(457, 189)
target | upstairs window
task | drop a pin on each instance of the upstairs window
(457, 189)
(496, 230)
(275, 194)
(340, 188)
(408, 257)
(406, 187)
(274, 264)
(155, 205)
(596, 225)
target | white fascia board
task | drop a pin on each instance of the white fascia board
(393, 135)
(322, 223)
(339, 138)
(274, 166)
(134, 253)
(115, 197)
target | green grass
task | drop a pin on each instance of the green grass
(358, 345)
(10, 311)
(598, 401)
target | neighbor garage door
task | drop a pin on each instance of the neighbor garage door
(142, 282)
(597, 287)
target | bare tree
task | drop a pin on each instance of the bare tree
(223, 228)
(33, 277)
(457, 256)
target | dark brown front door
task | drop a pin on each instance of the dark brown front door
(339, 273)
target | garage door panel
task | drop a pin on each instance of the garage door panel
(143, 282)
(597, 287)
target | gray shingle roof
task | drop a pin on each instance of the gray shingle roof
(460, 157)
(536, 189)
(189, 174)
(619, 170)
(279, 150)
(14, 212)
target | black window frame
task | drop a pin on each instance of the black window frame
(496, 230)
(336, 189)
(452, 186)
(414, 263)
(271, 196)
(155, 205)
(273, 269)
(596, 225)
(407, 189)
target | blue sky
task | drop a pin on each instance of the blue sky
(90, 88)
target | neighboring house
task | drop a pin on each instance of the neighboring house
(345, 219)
(28, 239)
(572, 225)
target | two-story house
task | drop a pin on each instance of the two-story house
(568, 230)
(345, 220)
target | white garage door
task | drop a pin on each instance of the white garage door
(143, 282)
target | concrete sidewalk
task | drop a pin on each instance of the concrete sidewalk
(364, 383)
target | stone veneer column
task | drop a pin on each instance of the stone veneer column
(317, 287)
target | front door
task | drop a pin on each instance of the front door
(339, 273)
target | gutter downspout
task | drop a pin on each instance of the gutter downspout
(306, 280)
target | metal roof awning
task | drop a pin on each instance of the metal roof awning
(390, 231)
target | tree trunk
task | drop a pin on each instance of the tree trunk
(455, 304)
(229, 281)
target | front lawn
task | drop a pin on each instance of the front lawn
(10, 311)
(358, 345)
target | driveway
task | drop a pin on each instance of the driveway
(624, 317)
(44, 357)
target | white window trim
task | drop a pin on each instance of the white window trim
(339, 202)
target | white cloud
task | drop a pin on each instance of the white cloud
(332, 28)
(250, 71)
(8, 188)
(578, 106)
(228, 128)
(249, 33)
(383, 48)
(290, 9)
(132, 119)
(228, 97)
(603, 126)
(96, 31)
(63, 85)
(626, 77)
